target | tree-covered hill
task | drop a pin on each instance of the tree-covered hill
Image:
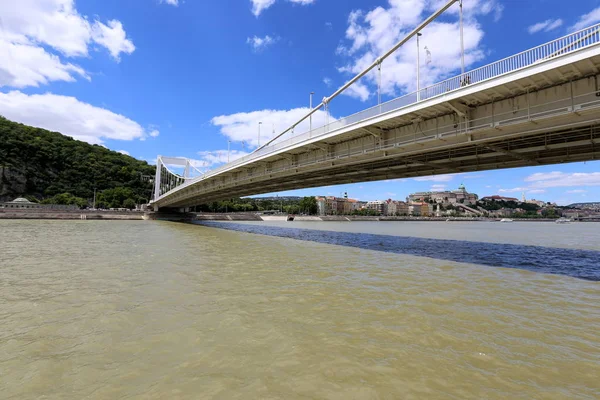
(39, 164)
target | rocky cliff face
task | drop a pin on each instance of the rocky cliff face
(12, 184)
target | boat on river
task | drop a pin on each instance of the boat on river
(563, 220)
(506, 220)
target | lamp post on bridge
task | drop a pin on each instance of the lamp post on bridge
(418, 67)
(462, 40)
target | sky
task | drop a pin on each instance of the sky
(183, 77)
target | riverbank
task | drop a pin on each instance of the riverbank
(139, 215)
(71, 214)
(344, 218)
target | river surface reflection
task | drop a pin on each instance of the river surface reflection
(154, 310)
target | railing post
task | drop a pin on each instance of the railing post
(379, 85)
(462, 41)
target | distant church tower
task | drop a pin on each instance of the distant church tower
(523, 198)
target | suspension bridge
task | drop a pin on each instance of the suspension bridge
(540, 106)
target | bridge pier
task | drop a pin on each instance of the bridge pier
(171, 214)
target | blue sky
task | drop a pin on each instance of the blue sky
(181, 78)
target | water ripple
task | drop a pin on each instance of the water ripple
(582, 264)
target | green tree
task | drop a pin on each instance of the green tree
(129, 203)
(309, 205)
(115, 198)
(66, 199)
(50, 164)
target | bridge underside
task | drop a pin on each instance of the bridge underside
(548, 116)
(561, 146)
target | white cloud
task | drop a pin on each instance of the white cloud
(68, 116)
(215, 157)
(329, 25)
(154, 133)
(561, 179)
(587, 19)
(30, 65)
(358, 91)
(541, 181)
(170, 2)
(546, 26)
(261, 43)
(513, 190)
(544, 176)
(475, 176)
(244, 126)
(258, 6)
(327, 81)
(113, 37)
(435, 178)
(371, 34)
(34, 31)
(123, 152)
(437, 188)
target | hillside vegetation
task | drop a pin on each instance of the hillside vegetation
(50, 167)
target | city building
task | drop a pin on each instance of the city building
(499, 198)
(422, 209)
(503, 212)
(461, 195)
(320, 205)
(376, 205)
(538, 203)
(331, 205)
(395, 208)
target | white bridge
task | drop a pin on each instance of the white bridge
(541, 106)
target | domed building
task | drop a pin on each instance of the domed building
(21, 203)
(466, 197)
(461, 195)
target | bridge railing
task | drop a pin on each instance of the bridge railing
(567, 44)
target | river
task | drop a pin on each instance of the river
(155, 310)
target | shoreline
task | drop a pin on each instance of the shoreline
(73, 215)
(233, 217)
(349, 218)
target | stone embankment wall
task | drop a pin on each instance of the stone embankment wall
(307, 218)
(77, 214)
(228, 217)
(341, 218)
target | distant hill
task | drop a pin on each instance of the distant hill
(40, 164)
(585, 205)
